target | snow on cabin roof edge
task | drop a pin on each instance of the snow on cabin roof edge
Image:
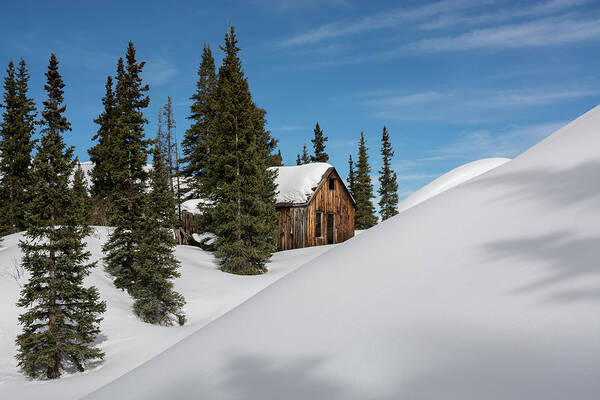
(296, 184)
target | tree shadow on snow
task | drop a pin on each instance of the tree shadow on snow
(566, 257)
(560, 187)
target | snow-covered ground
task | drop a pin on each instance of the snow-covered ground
(127, 341)
(451, 179)
(487, 291)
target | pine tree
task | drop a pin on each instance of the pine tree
(82, 208)
(351, 179)
(364, 217)
(156, 302)
(305, 157)
(242, 188)
(16, 144)
(388, 186)
(62, 316)
(276, 160)
(319, 146)
(130, 150)
(298, 160)
(102, 185)
(195, 146)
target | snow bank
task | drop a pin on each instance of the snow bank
(126, 340)
(487, 291)
(191, 206)
(451, 179)
(296, 184)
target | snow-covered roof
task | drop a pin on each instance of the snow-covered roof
(296, 184)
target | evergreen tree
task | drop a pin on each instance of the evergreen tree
(298, 160)
(62, 316)
(241, 187)
(82, 207)
(16, 144)
(276, 160)
(351, 175)
(364, 217)
(319, 146)
(388, 185)
(129, 159)
(195, 146)
(156, 302)
(102, 183)
(305, 157)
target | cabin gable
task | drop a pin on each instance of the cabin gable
(326, 218)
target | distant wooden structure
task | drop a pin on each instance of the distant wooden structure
(313, 207)
(326, 217)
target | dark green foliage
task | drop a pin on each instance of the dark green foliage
(388, 186)
(298, 160)
(305, 157)
(319, 146)
(16, 144)
(62, 317)
(276, 160)
(239, 185)
(364, 217)
(82, 208)
(129, 158)
(155, 300)
(195, 144)
(351, 175)
(102, 182)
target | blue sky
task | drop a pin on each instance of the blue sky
(453, 80)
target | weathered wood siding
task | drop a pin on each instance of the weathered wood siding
(296, 226)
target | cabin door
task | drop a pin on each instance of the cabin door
(330, 222)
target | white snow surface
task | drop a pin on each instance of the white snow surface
(451, 179)
(126, 340)
(296, 184)
(487, 291)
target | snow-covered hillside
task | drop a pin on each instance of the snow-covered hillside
(487, 291)
(451, 179)
(126, 340)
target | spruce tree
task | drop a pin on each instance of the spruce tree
(195, 144)
(298, 160)
(319, 146)
(16, 144)
(82, 207)
(276, 160)
(364, 217)
(156, 301)
(62, 317)
(242, 188)
(388, 185)
(305, 157)
(351, 175)
(129, 159)
(101, 154)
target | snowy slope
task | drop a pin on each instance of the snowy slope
(487, 291)
(127, 341)
(451, 179)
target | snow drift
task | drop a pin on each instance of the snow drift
(487, 291)
(451, 179)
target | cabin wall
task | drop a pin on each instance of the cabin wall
(296, 226)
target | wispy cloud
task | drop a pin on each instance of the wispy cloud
(508, 143)
(543, 32)
(467, 105)
(158, 72)
(501, 15)
(288, 128)
(383, 20)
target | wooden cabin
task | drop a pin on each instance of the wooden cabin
(314, 207)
